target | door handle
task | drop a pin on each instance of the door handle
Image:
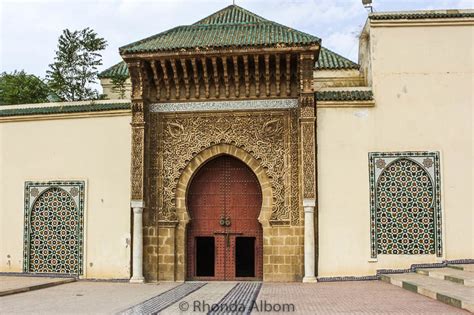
(224, 221)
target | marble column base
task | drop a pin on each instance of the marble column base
(137, 280)
(310, 280)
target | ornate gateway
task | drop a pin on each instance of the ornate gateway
(199, 92)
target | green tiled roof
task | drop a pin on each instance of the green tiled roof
(414, 15)
(232, 26)
(64, 109)
(329, 60)
(350, 95)
(117, 69)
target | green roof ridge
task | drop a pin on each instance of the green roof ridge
(232, 14)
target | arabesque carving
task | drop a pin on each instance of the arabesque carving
(309, 177)
(271, 137)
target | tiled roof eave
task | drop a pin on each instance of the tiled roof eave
(223, 49)
(339, 67)
(419, 15)
(66, 109)
(344, 96)
(150, 53)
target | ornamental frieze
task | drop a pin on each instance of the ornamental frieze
(269, 136)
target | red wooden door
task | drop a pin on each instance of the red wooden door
(224, 201)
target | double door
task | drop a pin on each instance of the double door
(224, 237)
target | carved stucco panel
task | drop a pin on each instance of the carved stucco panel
(271, 137)
(308, 148)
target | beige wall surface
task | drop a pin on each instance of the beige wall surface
(108, 89)
(423, 87)
(95, 150)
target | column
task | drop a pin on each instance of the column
(309, 263)
(137, 272)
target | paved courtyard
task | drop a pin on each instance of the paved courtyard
(87, 297)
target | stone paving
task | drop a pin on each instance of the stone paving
(355, 297)
(82, 297)
(361, 297)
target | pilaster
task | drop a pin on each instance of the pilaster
(138, 164)
(307, 146)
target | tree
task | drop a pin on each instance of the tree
(119, 84)
(19, 87)
(75, 66)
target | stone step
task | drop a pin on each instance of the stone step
(445, 291)
(455, 275)
(465, 267)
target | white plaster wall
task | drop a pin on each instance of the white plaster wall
(423, 86)
(96, 150)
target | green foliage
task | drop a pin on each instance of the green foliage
(19, 87)
(119, 84)
(75, 66)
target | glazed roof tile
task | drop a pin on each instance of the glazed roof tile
(414, 15)
(117, 69)
(63, 108)
(329, 60)
(345, 95)
(230, 27)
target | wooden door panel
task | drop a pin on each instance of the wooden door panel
(224, 187)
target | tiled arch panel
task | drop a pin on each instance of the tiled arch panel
(53, 227)
(405, 203)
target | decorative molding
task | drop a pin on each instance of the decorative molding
(137, 204)
(72, 207)
(220, 52)
(426, 167)
(223, 105)
(140, 89)
(224, 76)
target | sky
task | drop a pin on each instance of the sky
(29, 29)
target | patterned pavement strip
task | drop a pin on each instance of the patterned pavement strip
(160, 302)
(239, 300)
(200, 301)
